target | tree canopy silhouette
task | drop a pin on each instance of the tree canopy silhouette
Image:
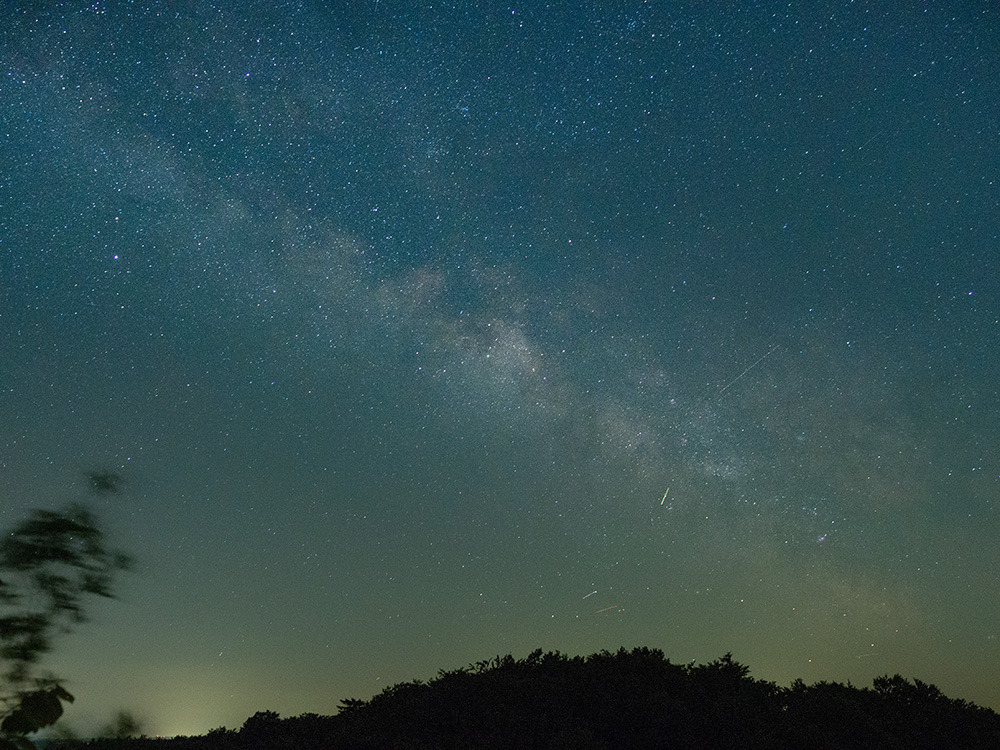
(610, 700)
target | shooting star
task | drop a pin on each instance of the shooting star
(590, 594)
(733, 381)
(664, 497)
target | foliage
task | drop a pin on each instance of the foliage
(622, 699)
(50, 563)
(123, 726)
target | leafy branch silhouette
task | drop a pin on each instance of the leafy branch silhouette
(50, 563)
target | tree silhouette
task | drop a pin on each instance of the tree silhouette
(122, 726)
(49, 564)
(638, 698)
(614, 701)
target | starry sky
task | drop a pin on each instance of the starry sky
(426, 332)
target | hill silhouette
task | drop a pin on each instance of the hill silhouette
(626, 699)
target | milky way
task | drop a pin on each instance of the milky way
(400, 322)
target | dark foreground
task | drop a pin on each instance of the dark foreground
(628, 699)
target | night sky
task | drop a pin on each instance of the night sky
(426, 332)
